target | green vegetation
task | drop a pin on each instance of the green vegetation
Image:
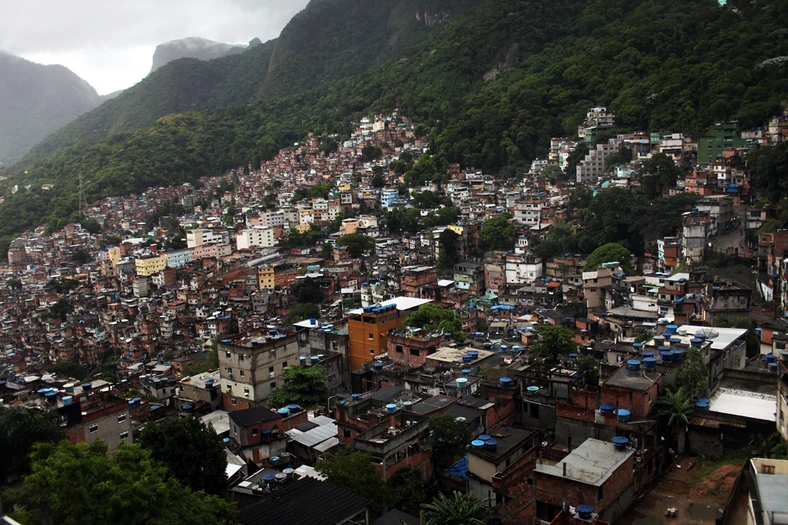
(302, 311)
(459, 509)
(693, 374)
(435, 318)
(307, 291)
(448, 439)
(554, 341)
(448, 256)
(22, 428)
(611, 252)
(660, 65)
(82, 484)
(357, 244)
(406, 488)
(354, 471)
(191, 450)
(498, 233)
(303, 385)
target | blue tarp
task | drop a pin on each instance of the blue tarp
(502, 307)
(459, 469)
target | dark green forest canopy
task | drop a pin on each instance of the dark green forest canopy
(660, 65)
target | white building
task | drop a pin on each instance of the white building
(259, 236)
(202, 236)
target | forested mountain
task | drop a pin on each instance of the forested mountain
(36, 100)
(494, 85)
(328, 40)
(192, 47)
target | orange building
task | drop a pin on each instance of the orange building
(368, 327)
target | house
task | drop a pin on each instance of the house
(261, 432)
(766, 481)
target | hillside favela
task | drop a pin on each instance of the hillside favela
(386, 262)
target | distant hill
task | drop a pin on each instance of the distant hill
(36, 100)
(192, 47)
(492, 85)
(327, 41)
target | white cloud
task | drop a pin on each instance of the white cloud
(110, 44)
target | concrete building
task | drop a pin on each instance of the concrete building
(202, 236)
(256, 237)
(147, 266)
(250, 365)
(766, 481)
(179, 259)
(593, 165)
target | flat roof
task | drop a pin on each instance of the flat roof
(640, 380)
(723, 339)
(454, 355)
(508, 438)
(401, 303)
(591, 463)
(752, 405)
(771, 491)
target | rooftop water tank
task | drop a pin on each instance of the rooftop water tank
(491, 444)
(572, 356)
(366, 366)
(773, 367)
(623, 414)
(188, 408)
(675, 341)
(505, 382)
(284, 411)
(606, 407)
(504, 349)
(274, 460)
(633, 364)
(701, 335)
(467, 358)
(355, 397)
(281, 477)
(516, 348)
(87, 386)
(532, 390)
(620, 443)
(477, 444)
(770, 358)
(268, 478)
(703, 404)
(391, 408)
(377, 366)
(473, 353)
(462, 382)
(678, 355)
(67, 400)
(696, 342)
(484, 437)
(293, 408)
(658, 340)
(666, 354)
(671, 329)
(647, 353)
(466, 371)
(585, 512)
(302, 359)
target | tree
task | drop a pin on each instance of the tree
(302, 311)
(658, 173)
(435, 318)
(60, 309)
(82, 484)
(21, 429)
(554, 341)
(448, 438)
(678, 407)
(378, 180)
(552, 172)
(498, 233)
(356, 243)
(590, 366)
(303, 385)
(611, 252)
(354, 471)
(70, 369)
(406, 487)
(307, 291)
(459, 509)
(693, 374)
(191, 450)
(448, 257)
(14, 284)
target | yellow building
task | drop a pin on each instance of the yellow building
(150, 265)
(265, 277)
(302, 228)
(456, 229)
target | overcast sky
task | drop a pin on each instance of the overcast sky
(110, 43)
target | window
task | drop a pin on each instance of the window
(371, 336)
(346, 433)
(246, 391)
(270, 369)
(254, 431)
(284, 365)
(93, 429)
(124, 435)
(228, 355)
(398, 349)
(371, 351)
(241, 357)
(600, 493)
(242, 373)
(508, 461)
(415, 352)
(229, 370)
(233, 401)
(273, 385)
(122, 418)
(768, 469)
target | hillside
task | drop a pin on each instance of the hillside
(328, 40)
(192, 47)
(36, 100)
(495, 85)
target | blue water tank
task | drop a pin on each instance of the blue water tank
(533, 389)
(355, 397)
(377, 366)
(703, 404)
(678, 355)
(647, 353)
(477, 444)
(466, 371)
(606, 407)
(484, 437)
(572, 356)
(696, 342)
(671, 329)
(701, 335)
(268, 478)
(620, 442)
(771, 358)
(675, 341)
(623, 414)
(650, 363)
(633, 364)
(491, 444)
(188, 408)
(284, 411)
(585, 512)
(505, 382)
(474, 354)
(274, 460)
(293, 408)
(67, 400)
(504, 349)
(391, 408)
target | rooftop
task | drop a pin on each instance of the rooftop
(401, 304)
(591, 463)
(306, 502)
(743, 403)
(508, 438)
(250, 416)
(640, 380)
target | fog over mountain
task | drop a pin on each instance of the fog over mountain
(192, 47)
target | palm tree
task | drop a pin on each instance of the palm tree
(459, 509)
(678, 407)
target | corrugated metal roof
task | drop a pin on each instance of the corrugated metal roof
(312, 437)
